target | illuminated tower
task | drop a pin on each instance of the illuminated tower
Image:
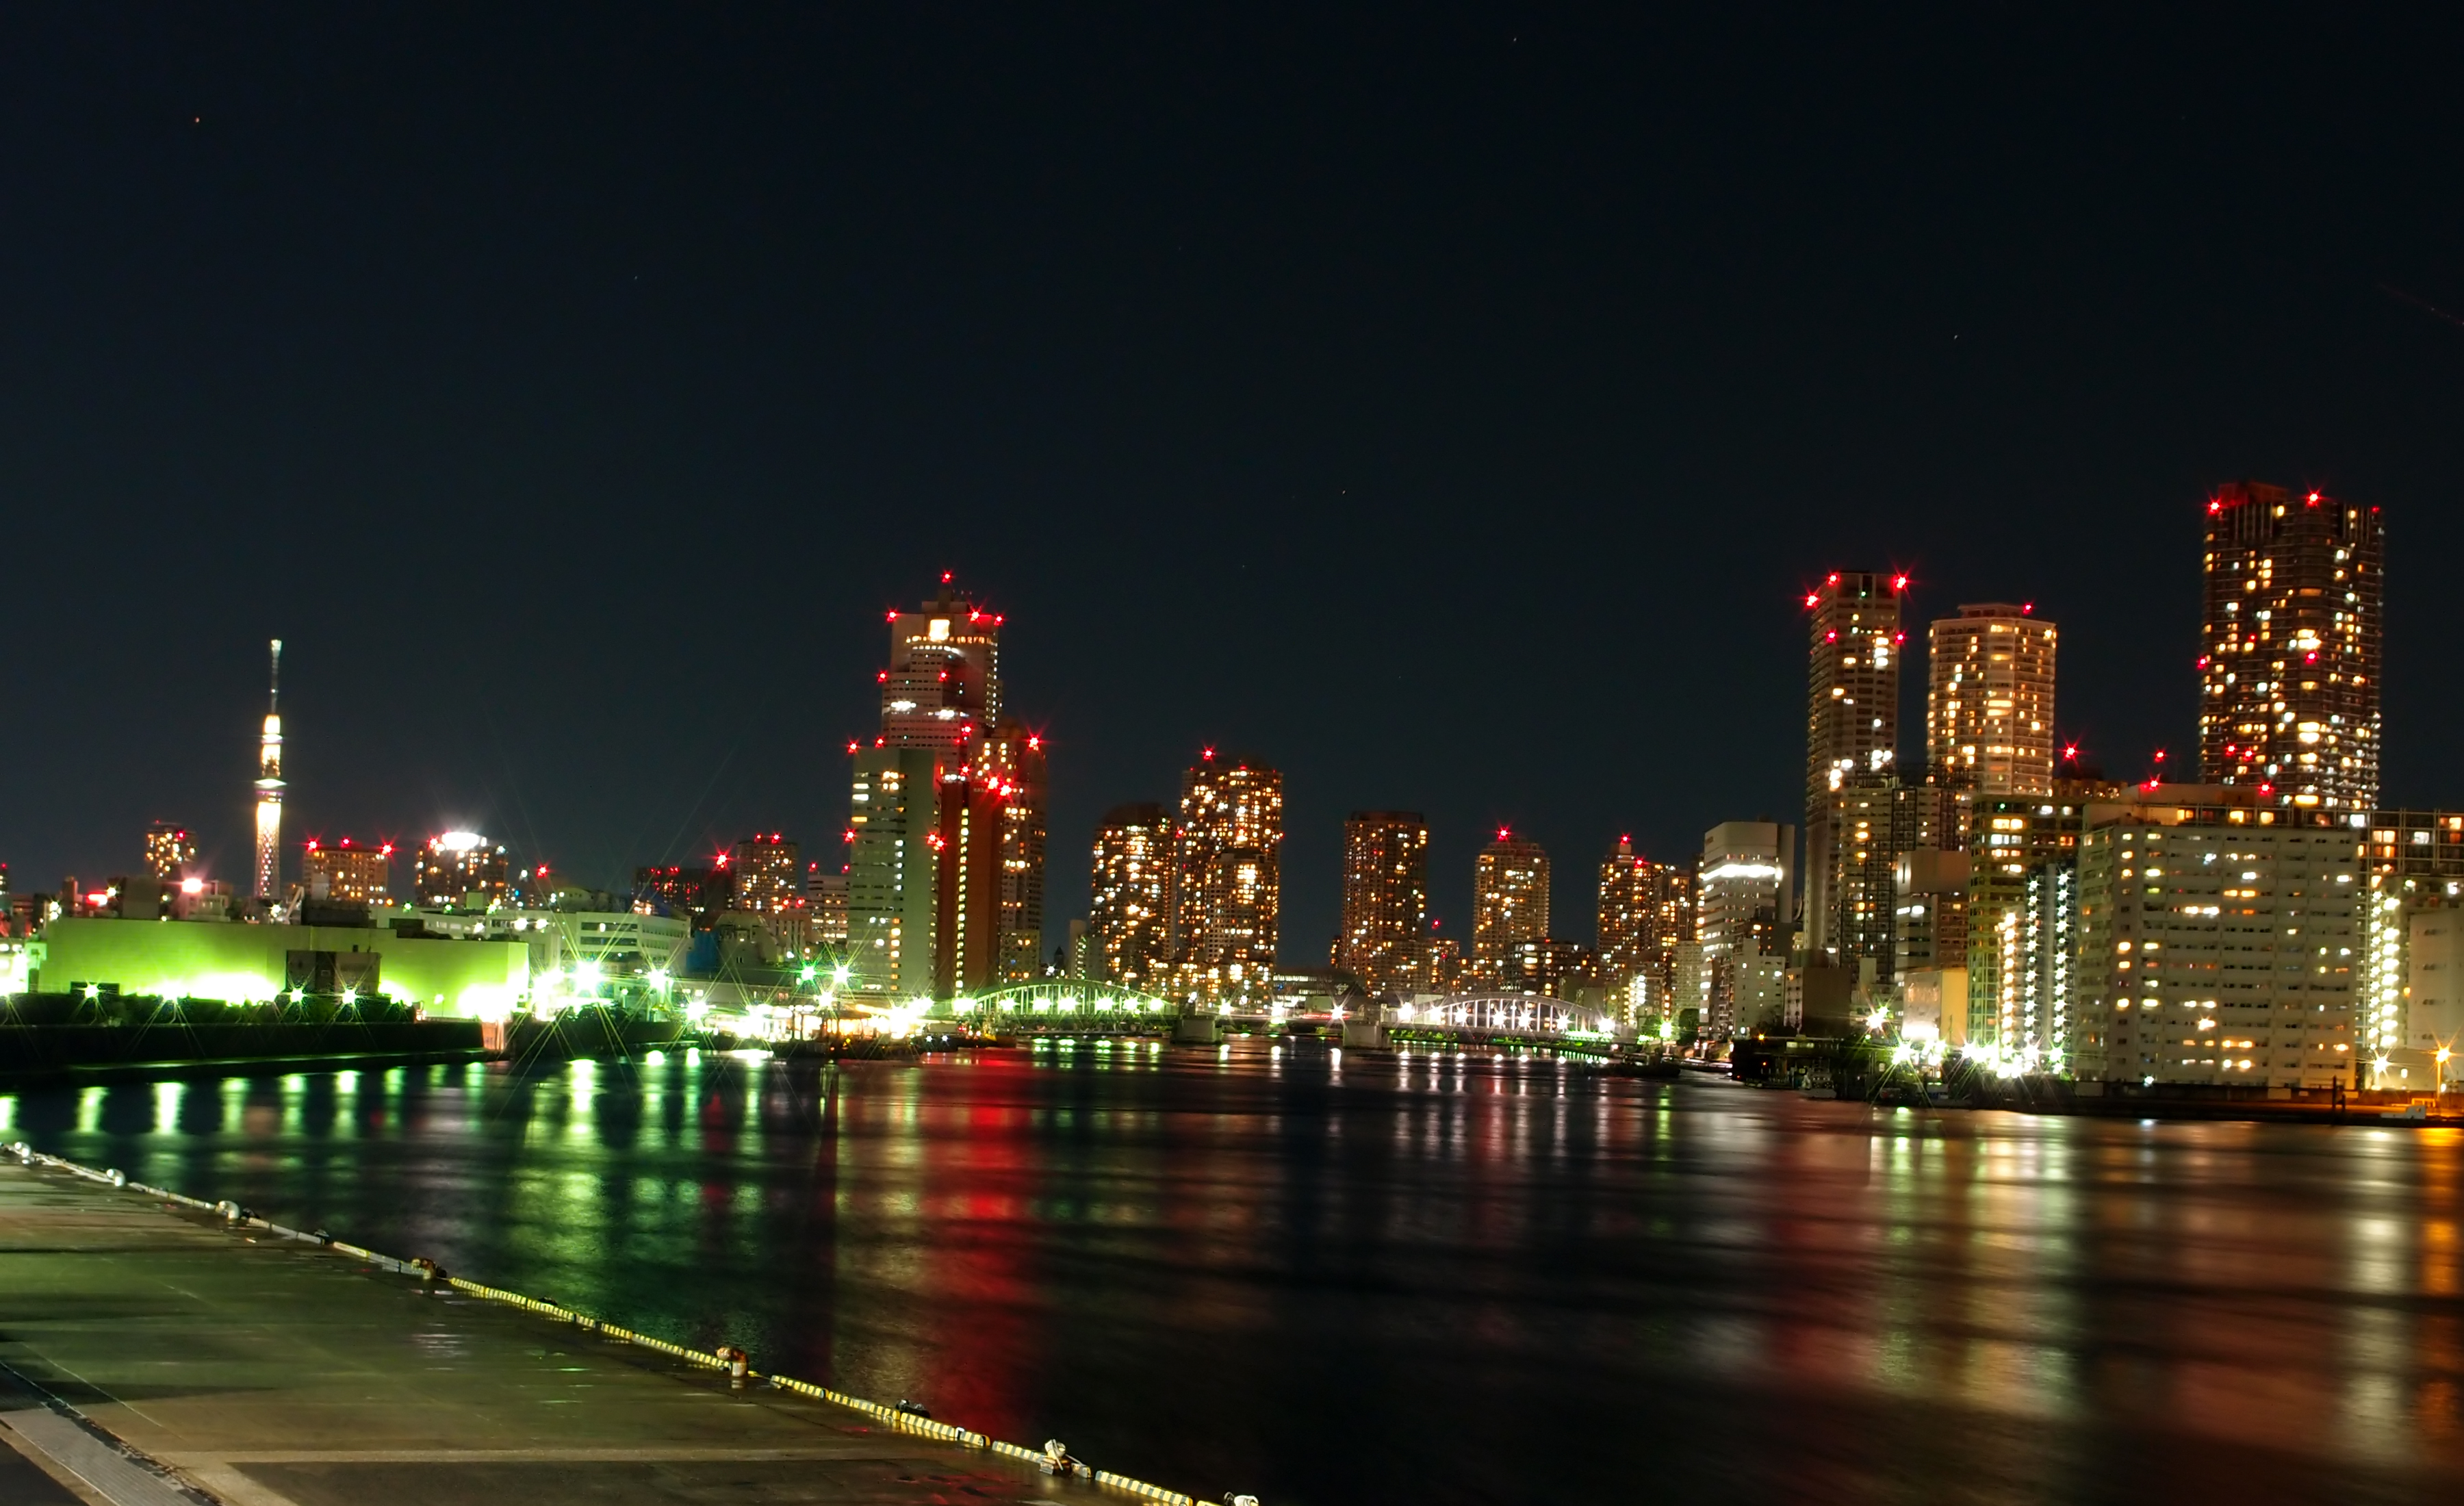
(1851, 733)
(1228, 886)
(1646, 909)
(1990, 700)
(1017, 769)
(269, 787)
(1131, 908)
(1385, 896)
(1510, 906)
(2289, 668)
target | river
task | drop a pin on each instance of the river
(1342, 1277)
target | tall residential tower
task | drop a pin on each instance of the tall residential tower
(1228, 887)
(2289, 667)
(1385, 896)
(1852, 736)
(1990, 700)
(1509, 908)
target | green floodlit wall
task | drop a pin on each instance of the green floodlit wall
(232, 962)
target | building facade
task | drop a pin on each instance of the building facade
(2219, 936)
(1385, 896)
(1990, 700)
(2410, 1024)
(1130, 912)
(1017, 770)
(1227, 884)
(2289, 665)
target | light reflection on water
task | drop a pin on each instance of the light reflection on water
(1443, 1276)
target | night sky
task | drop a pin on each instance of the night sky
(1449, 405)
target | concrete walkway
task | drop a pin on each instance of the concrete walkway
(160, 1359)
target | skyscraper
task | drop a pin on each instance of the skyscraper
(1740, 920)
(269, 787)
(1509, 907)
(1130, 913)
(1227, 889)
(1017, 760)
(1852, 722)
(1646, 909)
(2289, 665)
(169, 849)
(1385, 896)
(1990, 700)
(945, 873)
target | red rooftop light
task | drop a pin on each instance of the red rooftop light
(1899, 582)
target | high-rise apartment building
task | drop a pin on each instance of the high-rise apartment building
(2289, 666)
(768, 871)
(945, 867)
(169, 850)
(270, 786)
(348, 872)
(1852, 725)
(1017, 773)
(1385, 896)
(1509, 908)
(462, 870)
(1129, 913)
(1646, 909)
(1741, 922)
(1990, 700)
(1227, 888)
(2217, 940)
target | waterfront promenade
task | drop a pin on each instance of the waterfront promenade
(265, 1372)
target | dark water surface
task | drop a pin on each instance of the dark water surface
(1363, 1278)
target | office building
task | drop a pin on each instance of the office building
(347, 872)
(1015, 762)
(2289, 667)
(1740, 920)
(1385, 896)
(270, 786)
(1850, 742)
(2219, 941)
(1990, 700)
(1646, 909)
(1227, 886)
(169, 851)
(2411, 1015)
(1130, 912)
(1509, 908)
(462, 870)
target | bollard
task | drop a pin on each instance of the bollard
(1056, 1459)
(118, 1177)
(429, 1274)
(738, 1365)
(1231, 1499)
(913, 1408)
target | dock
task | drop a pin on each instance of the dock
(152, 1354)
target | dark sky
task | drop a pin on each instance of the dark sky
(1447, 403)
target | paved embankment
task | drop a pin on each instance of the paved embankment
(157, 1350)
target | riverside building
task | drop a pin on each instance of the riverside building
(2220, 936)
(1227, 884)
(1385, 896)
(1742, 909)
(1990, 700)
(2411, 1009)
(1646, 909)
(1509, 908)
(1130, 912)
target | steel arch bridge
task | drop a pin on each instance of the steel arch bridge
(1071, 1003)
(1502, 1014)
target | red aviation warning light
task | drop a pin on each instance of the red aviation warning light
(1899, 582)
(1814, 598)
